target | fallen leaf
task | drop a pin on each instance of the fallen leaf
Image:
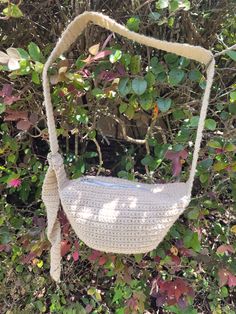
(223, 276)
(231, 280)
(225, 248)
(13, 115)
(65, 247)
(93, 50)
(23, 125)
(233, 229)
(11, 58)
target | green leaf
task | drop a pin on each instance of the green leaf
(35, 78)
(191, 241)
(193, 214)
(34, 52)
(154, 16)
(156, 67)
(233, 95)
(187, 5)
(150, 78)
(125, 59)
(2, 108)
(171, 58)
(13, 10)
(98, 93)
(123, 107)
(38, 67)
(135, 64)
(23, 54)
(124, 86)
(115, 56)
(220, 165)
(139, 86)
(174, 5)
(146, 101)
(230, 147)
(80, 63)
(179, 114)
(147, 160)
(214, 144)
(194, 121)
(232, 54)
(164, 104)
(210, 124)
(176, 76)
(162, 4)
(129, 112)
(195, 75)
(204, 177)
(133, 23)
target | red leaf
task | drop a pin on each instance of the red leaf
(225, 248)
(65, 247)
(76, 245)
(223, 275)
(75, 256)
(102, 54)
(23, 125)
(13, 115)
(88, 308)
(9, 100)
(231, 280)
(176, 157)
(121, 69)
(95, 255)
(29, 257)
(6, 90)
(102, 260)
(108, 75)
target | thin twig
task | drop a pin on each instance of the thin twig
(224, 51)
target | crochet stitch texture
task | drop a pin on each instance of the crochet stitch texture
(112, 214)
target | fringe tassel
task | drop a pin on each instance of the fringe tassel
(50, 197)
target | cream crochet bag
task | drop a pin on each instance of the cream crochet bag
(112, 214)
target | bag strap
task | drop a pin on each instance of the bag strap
(76, 27)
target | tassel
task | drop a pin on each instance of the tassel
(51, 199)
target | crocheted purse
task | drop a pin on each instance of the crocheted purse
(112, 214)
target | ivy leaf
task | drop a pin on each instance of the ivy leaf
(164, 104)
(174, 5)
(124, 86)
(122, 107)
(210, 124)
(146, 101)
(115, 56)
(195, 75)
(176, 76)
(139, 86)
(162, 4)
(34, 52)
(133, 23)
(232, 54)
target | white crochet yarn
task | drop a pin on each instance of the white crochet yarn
(112, 214)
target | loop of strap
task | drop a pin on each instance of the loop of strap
(76, 27)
